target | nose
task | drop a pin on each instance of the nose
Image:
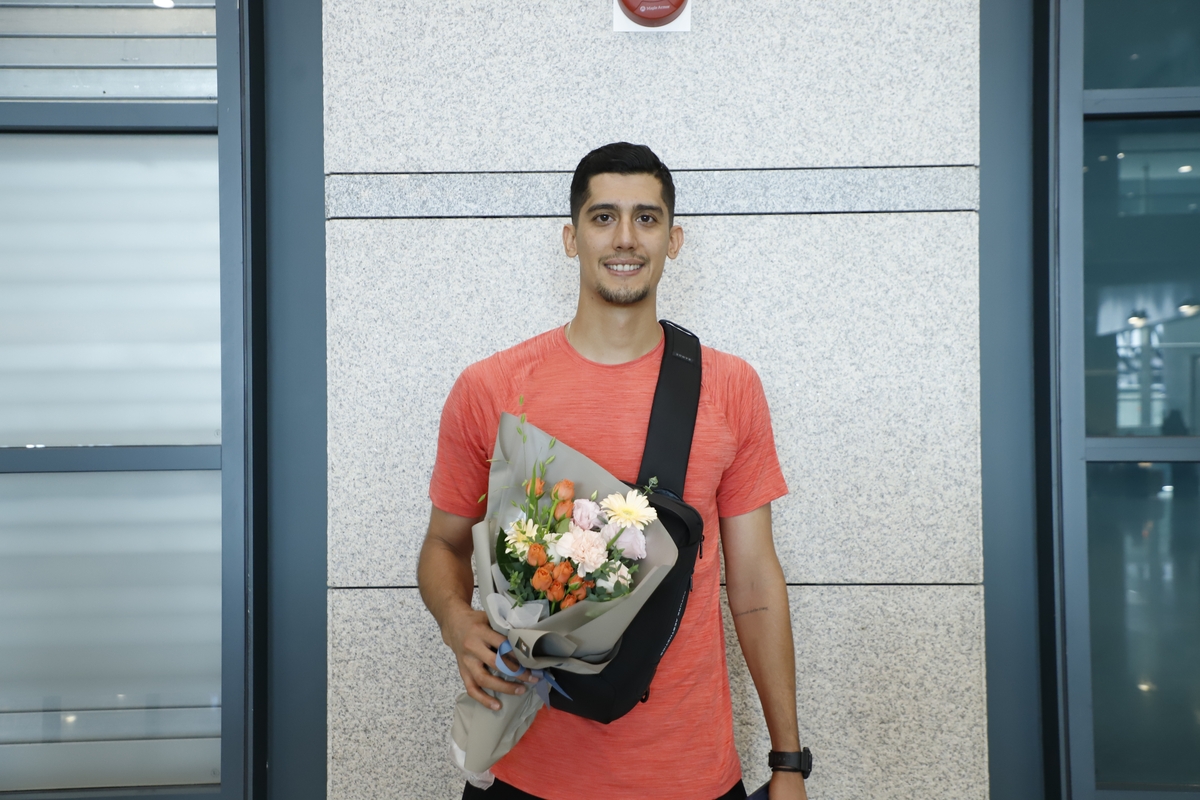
(624, 237)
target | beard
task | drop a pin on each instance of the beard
(623, 297)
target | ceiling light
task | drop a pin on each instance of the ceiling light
(164, 3)
(1189, 307)
(1120, 155)
(1138, 319)
(1146, 686)
(1104, 158)
(1186, 168)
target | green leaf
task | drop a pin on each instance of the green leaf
(504, 559)
(552, 441)
(548, 462)
(522, 419)
(563, 525)
(521, 400)
(481, 497)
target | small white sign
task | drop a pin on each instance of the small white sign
(681, 23)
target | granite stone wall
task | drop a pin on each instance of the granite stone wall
(826, 158)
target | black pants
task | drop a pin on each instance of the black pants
(502, 791)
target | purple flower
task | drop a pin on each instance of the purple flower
(586, 514)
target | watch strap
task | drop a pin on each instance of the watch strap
(780, 761)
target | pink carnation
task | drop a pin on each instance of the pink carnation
(632, 543)
(586, 548)
(586, 514)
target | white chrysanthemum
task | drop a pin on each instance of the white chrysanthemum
(519, 536)
(632, 509)
(588, 549)
(620, 575)
(552, 552)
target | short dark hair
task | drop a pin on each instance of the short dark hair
(621, 158)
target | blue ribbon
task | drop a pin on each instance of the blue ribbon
(545, 682)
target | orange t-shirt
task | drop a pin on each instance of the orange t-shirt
(679, 744)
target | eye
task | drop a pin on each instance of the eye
(603, 217)
(646, 219)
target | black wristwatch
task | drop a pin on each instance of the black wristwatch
(791, 762)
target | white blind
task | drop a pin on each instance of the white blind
(110, 629)
(110, 319)
(108, 51)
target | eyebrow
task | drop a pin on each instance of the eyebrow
(613, 207)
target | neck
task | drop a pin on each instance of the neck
(609, 334)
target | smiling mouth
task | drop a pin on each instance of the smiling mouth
(623, 269)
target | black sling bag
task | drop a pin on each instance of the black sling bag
(625, 682)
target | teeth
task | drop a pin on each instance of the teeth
(624, 267)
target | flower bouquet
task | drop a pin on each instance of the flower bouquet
(564, 550)
(561, 574)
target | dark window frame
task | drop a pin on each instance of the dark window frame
(243, 704)
(1070, 106)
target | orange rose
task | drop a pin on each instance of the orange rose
(542, 579)
(539, 487)
(537, 555)
(580, 593)
(563, 571)
(568, 601)
(564, 509)
(556, 592)
(564, 490)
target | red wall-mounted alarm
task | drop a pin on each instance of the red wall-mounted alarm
(652, 13)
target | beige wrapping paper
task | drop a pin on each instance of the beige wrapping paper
(582, 638)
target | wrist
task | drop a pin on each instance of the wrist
(793, 761)
(454, 614)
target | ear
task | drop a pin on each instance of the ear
(675, 242)
(569, 241)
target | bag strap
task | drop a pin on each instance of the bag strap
(673, 414)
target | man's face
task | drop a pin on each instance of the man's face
(623, 238)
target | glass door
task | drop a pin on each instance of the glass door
(123, 534)
(1128, 326)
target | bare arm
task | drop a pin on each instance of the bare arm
(446, 581)
(758, 601)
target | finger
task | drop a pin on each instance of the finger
(479, 650)
(484, 698)
(493, 639)
(477, 694)
(494, 682)
(514, 665)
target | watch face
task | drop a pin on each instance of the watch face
(652, 13)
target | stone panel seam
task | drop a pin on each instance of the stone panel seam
(509, 195)
(847, 585)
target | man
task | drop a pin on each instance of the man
(591, 384)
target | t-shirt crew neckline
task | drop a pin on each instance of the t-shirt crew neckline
(565, 344)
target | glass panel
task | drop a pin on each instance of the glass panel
(72, 51)
(110, 629)
(1142, 277)
(1144, 571)
(110, 326)
(1141, 44)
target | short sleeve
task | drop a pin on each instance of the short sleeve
(754, 478)
(460, 473)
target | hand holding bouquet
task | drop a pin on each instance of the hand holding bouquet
(561, 577)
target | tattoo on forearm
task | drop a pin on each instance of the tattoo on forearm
(751, 611)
